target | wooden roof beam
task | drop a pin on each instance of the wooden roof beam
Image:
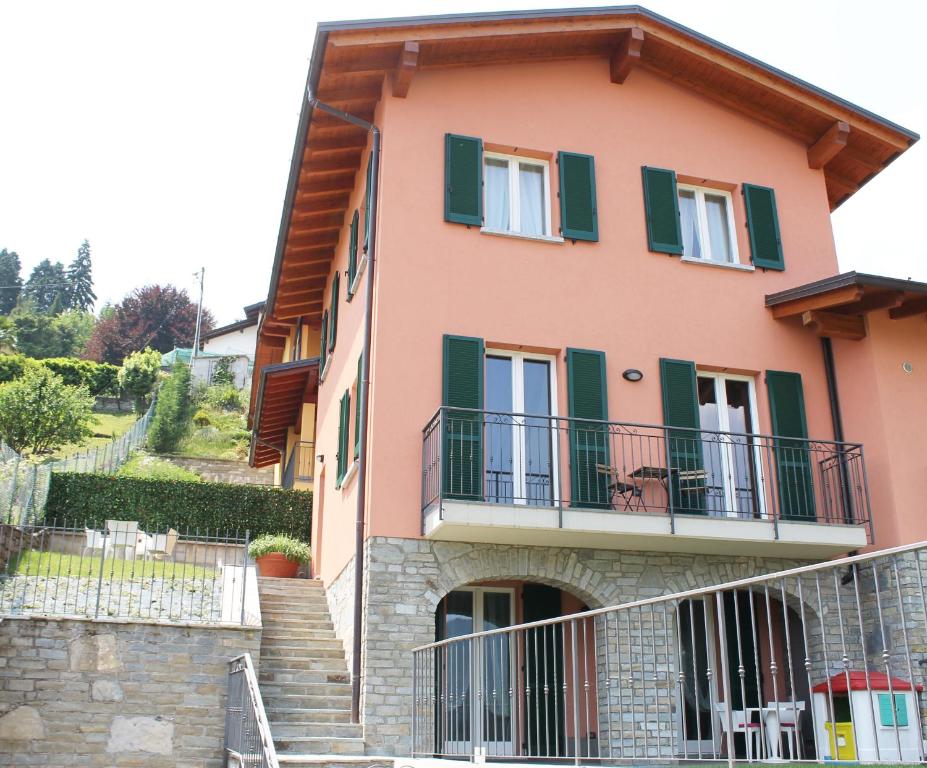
(627, 56)
(835, 326)
(829, 145)
(909, 309)
(405, 68)
(873, 301)
(828, 300)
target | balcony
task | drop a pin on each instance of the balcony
(299, 464)
(546, 480)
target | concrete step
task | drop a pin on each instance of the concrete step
(294, 617)
(313, 644)
(286, 621)
(305, 715)
(275, 651)
(297, 633)
(283, 731)
(303, 676)
(291, 701)
(278, 688)
(292, 663)
(320, 745)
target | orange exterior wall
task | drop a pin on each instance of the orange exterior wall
(614, 295)
(885, 408)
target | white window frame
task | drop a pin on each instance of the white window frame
(724, 425)
(701, 210)
(519, 448)
(515, 196)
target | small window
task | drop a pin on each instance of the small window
(517, 195)
(707, 222)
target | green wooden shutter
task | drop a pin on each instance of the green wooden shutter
(463, 179)
(357, 406)
(763, 226)
(323, 344)
(333, 313)
(793, 461)
(352, 254)
(684, 446)
(661, 208)
(578, 215)
(367, 203)
(463, 430)
(589, 441)
(343, 417)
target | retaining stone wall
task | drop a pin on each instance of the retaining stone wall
(226, 470)
(105, 693)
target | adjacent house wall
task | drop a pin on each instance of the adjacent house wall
(241, 342)
(109, 694)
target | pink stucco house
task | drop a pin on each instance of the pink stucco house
(556, 321)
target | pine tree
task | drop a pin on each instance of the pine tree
(47, 287)
(81, 295)
(11, 282)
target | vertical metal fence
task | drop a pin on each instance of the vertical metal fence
(24, 483)
(119, 570)
(248, 743)
(824, 662)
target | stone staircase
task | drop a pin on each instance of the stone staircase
(304, 679)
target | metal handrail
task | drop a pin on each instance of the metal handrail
(252, 714)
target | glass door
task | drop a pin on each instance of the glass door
(731, 460)
(485, 717)
(697, 690)
(519, 437)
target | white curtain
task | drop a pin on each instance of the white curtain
(716, 208)
(531, 198)
(688, 216)
(497, 194)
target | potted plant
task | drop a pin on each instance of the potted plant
(278, 555)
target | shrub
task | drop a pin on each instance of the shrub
(223, 373)
(139, 374)
(201, 418)
(171, 420)
(98, 378)
(224, 397)
(13, 367)
(142, 465)
(160, 504)
(285, 545)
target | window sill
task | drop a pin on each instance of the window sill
(361, 266)
(520, 236)
(721, 264)
(348, 476)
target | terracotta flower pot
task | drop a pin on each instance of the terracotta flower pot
(277, 564)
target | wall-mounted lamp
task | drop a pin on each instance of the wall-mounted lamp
(632, 374)
(321, 458)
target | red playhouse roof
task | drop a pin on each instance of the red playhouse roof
(878, 681)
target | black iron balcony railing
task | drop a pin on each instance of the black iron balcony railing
(299, 464)
(550, 461)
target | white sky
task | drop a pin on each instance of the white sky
(162, 132)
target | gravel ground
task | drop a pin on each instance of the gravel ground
(194, 600)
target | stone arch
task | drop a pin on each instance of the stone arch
(556, 568)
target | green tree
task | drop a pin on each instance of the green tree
(39, 412)
(11, 282)
(174, 409)
(43, 335)
(139, 374)
(80, 280)
(48, 287)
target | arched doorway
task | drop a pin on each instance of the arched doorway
(512, 693)
(749, 649)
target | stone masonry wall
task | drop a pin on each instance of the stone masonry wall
(406, 579)
(104, 693)
(226, 470)
(340, 595)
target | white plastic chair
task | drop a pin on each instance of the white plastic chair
(160, 546)
(123, 536)
(95, 541)
(740, 724)
(785, 715)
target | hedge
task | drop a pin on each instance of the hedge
(99, 378)
(159, 504)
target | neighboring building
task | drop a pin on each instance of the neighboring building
(594, 232)
(238, 338)
(206, 364)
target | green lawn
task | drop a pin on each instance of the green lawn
(54, 564)
(107, 426)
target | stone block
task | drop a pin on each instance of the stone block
(141, 734)
(106, 690)
(22, 724)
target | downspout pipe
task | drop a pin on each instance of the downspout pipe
(364, 395)
(830, 374)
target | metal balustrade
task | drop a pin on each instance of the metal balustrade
(549, 461)
(299, 465)
(824, 662)
(248, 742)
